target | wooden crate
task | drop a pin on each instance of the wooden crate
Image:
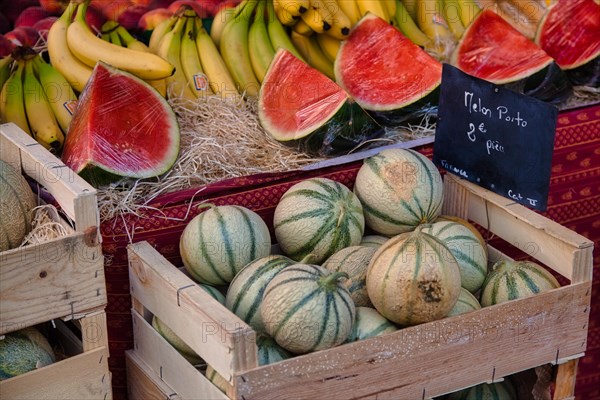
(83, 374)
(418, 362)
(61, 278)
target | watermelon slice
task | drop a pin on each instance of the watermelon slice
(570, 32)
(301, 107)
(122, 127)
(493, 50)
(386, 73)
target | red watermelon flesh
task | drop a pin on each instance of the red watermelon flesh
(121, 127)
(570, 32)
(493, 50)
(382, 69)
(296, 108)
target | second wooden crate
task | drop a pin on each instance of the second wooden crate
(413, 363)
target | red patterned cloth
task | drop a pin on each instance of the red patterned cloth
(574, 201)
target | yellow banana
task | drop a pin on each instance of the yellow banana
(409, 28)
(234, 49)
(160, 85)
(160, 31)
(58, 92)
(286, 18)
(431, 21)
(219, 78)
(90, 49)
(277, 33)
(350, 8)
(294, 7)
(169, 49)
(341, 23)
(222, 17)
(302, 28)
(312, 53)
(260, 48)
(329, 45)
(190, 60)
(12, 103)
(319, 19)
(41, 119)
(61, 58)
(468, 10)
(451, 13)
(390, 6)
(374, 7)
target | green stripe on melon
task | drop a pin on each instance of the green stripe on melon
(413, 278)
(318, 216)
(244, 295)
(301, 107)
(307, 308)
(23, 351)
(466, 303)
(510, 280)
(399, 189)
(269, 351)
(220, 241)
(16, 202)
(466, 247)
(369, 323)
(171, 337)
(354, 261)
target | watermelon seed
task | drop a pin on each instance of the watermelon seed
(43, 274)
(423, 398)
(494, 370)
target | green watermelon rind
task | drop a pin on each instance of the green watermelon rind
(101, 174)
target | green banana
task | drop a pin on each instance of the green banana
(190, 60)
(59, 92)
(169, 48)
(223, 16)
(259, 44)
(278, 35)
(234, 49)
(12, 103)
(40, 116)
(5, 69)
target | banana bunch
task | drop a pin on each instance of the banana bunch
(248, 36)
(200, 70)
(74, 50)
(38, 98)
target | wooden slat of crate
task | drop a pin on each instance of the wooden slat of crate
(143, 383)
(84, 374)
(429, 359)
(227, 342)
(76, 197)
(437, 357)
(171, 367)
(63, 277)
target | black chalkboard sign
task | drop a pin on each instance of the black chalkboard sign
(494, 137)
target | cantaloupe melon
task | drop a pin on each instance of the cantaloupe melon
(16, 202)
(413, 278)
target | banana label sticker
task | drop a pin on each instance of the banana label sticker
(70, 106)
(201, 82)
